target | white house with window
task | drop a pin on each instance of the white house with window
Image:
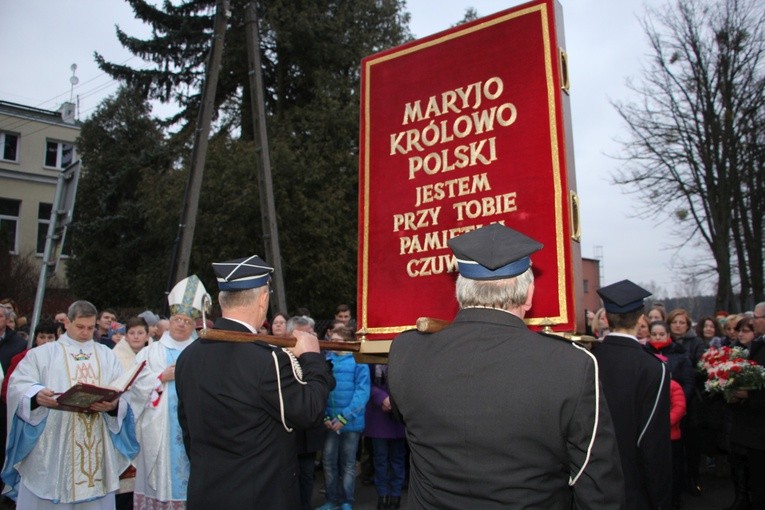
(35, 145)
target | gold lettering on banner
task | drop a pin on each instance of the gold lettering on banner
(467, 119)
(486, 206)
(462, 156)
(451, 188)
(455, 100)
(428, 266)
(416, 220)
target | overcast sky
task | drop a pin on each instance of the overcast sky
(41, 39)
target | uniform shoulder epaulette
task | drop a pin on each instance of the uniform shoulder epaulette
(417, 331)
(560, 338)
(582, 342)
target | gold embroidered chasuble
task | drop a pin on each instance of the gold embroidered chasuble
(74, 459)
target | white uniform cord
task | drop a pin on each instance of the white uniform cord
(279, 385)
(572, 481)
(297, 370)
(656, 403)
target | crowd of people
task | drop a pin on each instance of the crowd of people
(483, 414)
(137, 450)
(707, 433)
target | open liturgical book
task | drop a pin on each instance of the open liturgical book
(81, 396)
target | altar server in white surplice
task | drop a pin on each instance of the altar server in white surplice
(62, 459)
(162, 467)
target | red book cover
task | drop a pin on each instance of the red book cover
(81, 396)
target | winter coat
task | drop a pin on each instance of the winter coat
(676, 409)
(381, 424)
(679, 366)
(348, 400)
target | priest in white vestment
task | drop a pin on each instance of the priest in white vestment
(63, 459)
(162, 467)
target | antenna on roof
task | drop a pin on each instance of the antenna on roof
(74, 81)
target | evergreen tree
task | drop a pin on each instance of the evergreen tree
(311, 52)
(120, 145)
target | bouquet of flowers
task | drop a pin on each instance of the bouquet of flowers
(728, 369)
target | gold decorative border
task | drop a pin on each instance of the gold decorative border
(555, 156)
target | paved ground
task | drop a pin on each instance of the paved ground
(717, 494)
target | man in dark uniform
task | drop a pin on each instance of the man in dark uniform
(498, 416)
(238, 403)
(636, 386)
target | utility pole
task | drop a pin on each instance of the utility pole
(265, 183)
(187, 224)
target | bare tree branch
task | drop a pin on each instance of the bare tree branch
(695, 142)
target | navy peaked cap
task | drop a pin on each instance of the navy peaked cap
(241, 274)
(622, 297)
(493, 252)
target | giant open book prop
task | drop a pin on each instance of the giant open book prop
(461, 129)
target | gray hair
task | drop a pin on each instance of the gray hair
(81, 309)
(239, 298)
(6, 312)
(504, 294)
(299, 320)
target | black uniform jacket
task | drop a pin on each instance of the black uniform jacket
(232, 402)
(10, 345)
(636, 385)
(500, 417)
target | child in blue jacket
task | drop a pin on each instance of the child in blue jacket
(344, 421)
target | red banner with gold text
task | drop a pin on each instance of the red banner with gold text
(461, 129)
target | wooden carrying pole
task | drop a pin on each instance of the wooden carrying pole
(222, 335)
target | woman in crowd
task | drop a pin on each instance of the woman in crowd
(599, 324)
(676, 414)
(10, 322)
(657, 313)
(18, 319)
(748, 429)
(744, 333)
(729, 330)
(678, 363)
(279, 324)
(643, 331)
(712, 411)
(708, 329)
(681, 331)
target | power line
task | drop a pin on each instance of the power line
(76, 89)
(19, 123)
